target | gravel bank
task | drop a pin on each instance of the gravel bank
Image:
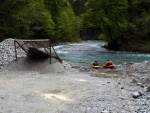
(7, 52)
(29, 86)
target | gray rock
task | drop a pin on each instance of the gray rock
(134, 81)
(139, 84)
(136, 94)
(122, 87)
(119, 83)
(141, 93)
(148, 98)
(147, 89)
(105, 111)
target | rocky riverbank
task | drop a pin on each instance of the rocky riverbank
(125, 89)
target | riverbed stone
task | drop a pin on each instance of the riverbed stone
(139, 84)
(147, 89)
(134, 81)
(141, 93)
(105, 111)
(135, 94)
(122, 87)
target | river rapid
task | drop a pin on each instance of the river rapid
(87, 52)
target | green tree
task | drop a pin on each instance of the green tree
(25, 19)
(110, 16)
(64, 19)
(78, 6)
(14, 21)
(42, 25)
(138, 32)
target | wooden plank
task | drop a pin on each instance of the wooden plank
(33, 40)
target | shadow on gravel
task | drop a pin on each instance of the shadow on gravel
(40, 65)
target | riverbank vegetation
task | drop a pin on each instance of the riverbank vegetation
(124, 24)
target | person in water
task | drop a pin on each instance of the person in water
(95, 63)
(109, 64)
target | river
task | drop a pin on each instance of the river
(89, 51)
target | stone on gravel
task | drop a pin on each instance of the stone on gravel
(141, 93)
(122, 87)
(105, 111)
(147, 89)
(139, 84)
(136, 94)
(134, 81)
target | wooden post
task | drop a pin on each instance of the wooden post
(15, 49)
(50, 51)
(60, 60)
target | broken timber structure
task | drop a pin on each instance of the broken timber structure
(37, 48)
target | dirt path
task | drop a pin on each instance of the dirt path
(61, 93)
(31, 91)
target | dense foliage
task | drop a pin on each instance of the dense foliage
(26, 19)
(78, 6)
(125, 24)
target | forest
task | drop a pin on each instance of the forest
(124, 24)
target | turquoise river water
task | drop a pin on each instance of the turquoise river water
(89, 51)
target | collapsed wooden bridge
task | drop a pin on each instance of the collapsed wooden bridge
(37, 48)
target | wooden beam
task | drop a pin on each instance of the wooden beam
(22, 47)
(15, 49)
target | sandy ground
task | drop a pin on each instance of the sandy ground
(38, 87)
